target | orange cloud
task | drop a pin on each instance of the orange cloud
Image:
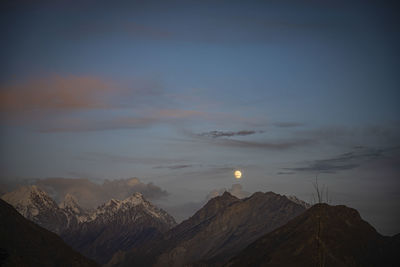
(55, 93)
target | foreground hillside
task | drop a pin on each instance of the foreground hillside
(23, 243)
(322, 236)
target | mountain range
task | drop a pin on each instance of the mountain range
(224, 226)
(265, 229)
(99, 233)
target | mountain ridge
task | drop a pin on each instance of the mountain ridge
(221, 227)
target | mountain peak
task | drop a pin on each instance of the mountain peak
(135, 198)
(26, 196)
(36, 205)
(69, 201)
(226, 194)
(70, 204)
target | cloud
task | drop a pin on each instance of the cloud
(88, 125)
(345, 161)
(56, 93)
(216, 134)
(58, 103)
(104, 157)
(174, 167)
(90, 194)
(217, 138)
(236, 190)
(273, 145)
(148, 118)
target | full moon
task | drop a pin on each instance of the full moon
(238, 174)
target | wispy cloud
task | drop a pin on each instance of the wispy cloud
(222, 138)
(147, 118)
(58, 103)
(103, 157)
(56, 93)
(273, 145)
(87, 125)
(345, 161)
(174, 167)
(216, 134)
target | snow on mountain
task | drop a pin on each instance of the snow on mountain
(99, 233)
(37, 206)
(118, 225)
(299, 201)
(109, 210)
(29, 200)
(75, 213)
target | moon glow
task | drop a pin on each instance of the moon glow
(238, 174)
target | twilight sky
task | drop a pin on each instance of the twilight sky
(181, 94)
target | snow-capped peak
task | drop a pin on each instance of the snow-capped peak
(116, 204)
(70, 203)
(29, 199)
(134, 204)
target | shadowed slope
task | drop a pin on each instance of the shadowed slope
(23, 243)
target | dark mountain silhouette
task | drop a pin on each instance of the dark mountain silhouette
(224, 226)
(23, 243)
(322, 236)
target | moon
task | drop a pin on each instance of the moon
(238, 174)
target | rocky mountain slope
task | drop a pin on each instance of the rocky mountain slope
(37, 206)
(224, 226)
(24, 243)
(322, 236)
(118, 225)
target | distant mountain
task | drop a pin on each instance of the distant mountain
(37, 206)
(118, 225)
(322, 236)
(74, 212)
(223, 227)
(98, 234)
(23, 243)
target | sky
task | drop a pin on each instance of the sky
(180, 94)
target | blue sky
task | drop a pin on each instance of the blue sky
(183, 93)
